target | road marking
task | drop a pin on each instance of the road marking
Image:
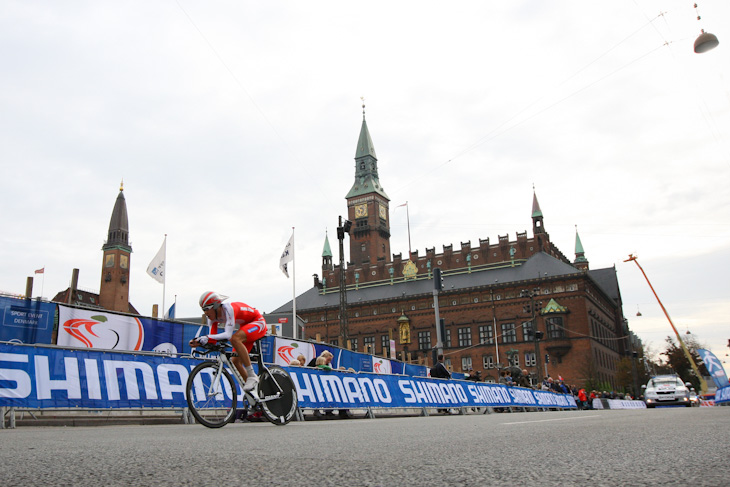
(558, 419)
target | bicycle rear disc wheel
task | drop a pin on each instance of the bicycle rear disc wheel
(211, 396)
(282, 409)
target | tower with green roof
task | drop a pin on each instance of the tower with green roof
(580, 261)
(368, 206)
(326, 256)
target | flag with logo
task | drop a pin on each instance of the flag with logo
(714, 367)
(41, 270)
(156, 269)
(287, 256)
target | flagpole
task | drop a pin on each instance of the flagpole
(164, 275)
(294, 286)
(43, 281)
(408, 222)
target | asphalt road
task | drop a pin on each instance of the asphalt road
(644, 447)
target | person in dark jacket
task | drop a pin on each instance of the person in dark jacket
(439, 371)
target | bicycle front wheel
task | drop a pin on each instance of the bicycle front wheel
(272, 383)
(211, 395)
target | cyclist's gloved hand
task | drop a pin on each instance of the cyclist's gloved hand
(198, 341)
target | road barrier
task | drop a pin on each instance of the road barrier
(46, 377)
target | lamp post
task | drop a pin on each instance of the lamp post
(632, 354)
(437, 286)
(538, 335)
(342, 229)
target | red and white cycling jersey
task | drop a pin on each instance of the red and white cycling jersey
(238, 315)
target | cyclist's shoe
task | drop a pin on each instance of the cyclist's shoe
(251, 383)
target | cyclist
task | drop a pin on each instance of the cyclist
(252, 328)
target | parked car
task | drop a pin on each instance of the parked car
(666, 390)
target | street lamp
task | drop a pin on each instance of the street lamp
(538, 337)
(706, 41)
(342, 229)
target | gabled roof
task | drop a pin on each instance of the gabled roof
(553, 307)
(87, 299)
(608, 281)
(540, 265)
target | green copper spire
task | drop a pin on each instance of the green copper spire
(536, 212)
(579, 252)
(366, 165)
(578, 245)
(326, 251)
(365, 145)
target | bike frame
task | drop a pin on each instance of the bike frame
(224, 359)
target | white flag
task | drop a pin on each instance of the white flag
(287, 256)
(156, 269)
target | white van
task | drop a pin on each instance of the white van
(666, 390)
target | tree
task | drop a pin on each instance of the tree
(678, 362)
(625, 376)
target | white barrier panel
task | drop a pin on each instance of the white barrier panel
(602, 403)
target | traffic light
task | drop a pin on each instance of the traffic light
(527, 309)
(547, 358)
(538, 335)
(438, 281)
(442, 327)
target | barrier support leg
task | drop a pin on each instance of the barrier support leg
(12, 418)
(424, 412)
(488, 410)
(371, 413)
(299, 414)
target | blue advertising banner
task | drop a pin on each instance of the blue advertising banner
(321, 389)
(722, 395)
(38, 377)
(26, 320)
(41, 377)
(714, 367)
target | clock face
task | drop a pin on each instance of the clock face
(383, 213)
(361, 211)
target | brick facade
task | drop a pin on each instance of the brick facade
(491, 294)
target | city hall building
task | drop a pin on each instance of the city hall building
(495, 297)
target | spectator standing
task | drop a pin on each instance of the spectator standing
(439, 371)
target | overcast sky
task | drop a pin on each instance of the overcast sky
(232, 122)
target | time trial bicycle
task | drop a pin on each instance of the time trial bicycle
(213, 395)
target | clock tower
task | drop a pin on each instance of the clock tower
(368, 206)
(114, 289)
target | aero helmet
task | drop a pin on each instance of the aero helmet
(211, 300)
